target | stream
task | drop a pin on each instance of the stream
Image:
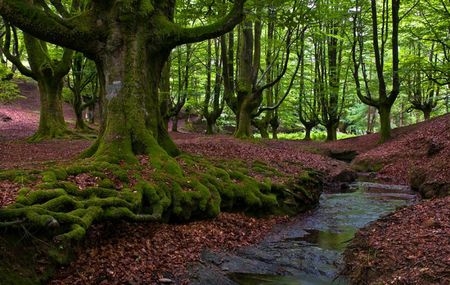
(309, 251)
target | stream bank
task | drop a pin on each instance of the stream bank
(309, 250)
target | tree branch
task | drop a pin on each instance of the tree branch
(15, 59)
(71, 33)
(291, 83)
(222, 26)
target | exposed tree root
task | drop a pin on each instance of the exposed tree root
(56, 133)
(156, 189)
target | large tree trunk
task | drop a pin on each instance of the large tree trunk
(133, 120)
(49, 74)
(426, 113)
(244, 126)
(385, 122)
(331, 131)
(307, 133)
(51, 121)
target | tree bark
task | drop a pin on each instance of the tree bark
(134, 123)
(307, 133)
(385, 122)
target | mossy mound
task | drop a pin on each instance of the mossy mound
(19, 177)
(158, 188)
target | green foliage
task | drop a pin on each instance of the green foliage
(316, 135)
(9, 90)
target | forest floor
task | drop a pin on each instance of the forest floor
(121, 252)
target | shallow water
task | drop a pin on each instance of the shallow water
(310, 251)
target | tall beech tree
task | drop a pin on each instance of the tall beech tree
(423, 92)
(49, 73)
(130, 42)
(247, 94)
(308, 106)
(211, 115)
(385, 99)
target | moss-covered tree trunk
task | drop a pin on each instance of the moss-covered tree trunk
(175, 123)
(244, 125)
(51, 121)
(385, 99)
(49, 75)
(130, 43)
(134, 123)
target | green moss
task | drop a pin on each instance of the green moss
(245, 171)
(49, 176)
(61, 174)
(258, 169)
(39, 197)
(169, 194)
(98, 174)
(23, 191)
(78, 169)
(7, 175)
(106, 183)
(171, 166)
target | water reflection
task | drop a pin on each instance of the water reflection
(310, 251)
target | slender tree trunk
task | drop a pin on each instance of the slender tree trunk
(175, 123)
(77, 102)
(274, 133)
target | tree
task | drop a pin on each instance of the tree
(308, 108)
(49, 74)
(83, 74)
(130, 43)
(211, 116)
(385, 99)
(247, 94)
(423, 93)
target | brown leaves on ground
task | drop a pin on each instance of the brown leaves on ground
(410, 246)
(425, 149)
(8, 193)
(24, 114)
(115, 253)
(287, 157)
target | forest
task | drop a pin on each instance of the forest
(224, 142)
